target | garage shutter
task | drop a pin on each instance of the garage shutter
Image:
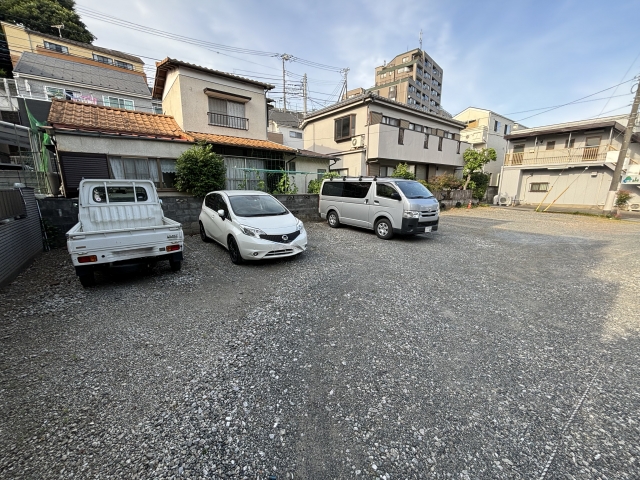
(76, 166)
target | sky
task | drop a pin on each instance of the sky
(514, 58)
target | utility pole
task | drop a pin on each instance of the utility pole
(615, 181)
(59, 27)
(304, 94)
(285, 57)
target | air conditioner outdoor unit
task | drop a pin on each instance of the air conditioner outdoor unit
(504, 199)
(635, 207)
(357, 142)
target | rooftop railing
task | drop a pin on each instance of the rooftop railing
(537, 156)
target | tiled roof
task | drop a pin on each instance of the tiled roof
(95, 48)
(96, 118)
(169, 63)
(286, 119)
(239, 142)
(54, 68)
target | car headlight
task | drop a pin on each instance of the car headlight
(251, 231)
(410, 214)
(299, 226)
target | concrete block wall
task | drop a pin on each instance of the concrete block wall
(61, 213)
(303, 206)
(183, 209)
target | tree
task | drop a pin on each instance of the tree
(199, 171)
(402, 171)
(39, 15)
(474, 160)
(479, 183)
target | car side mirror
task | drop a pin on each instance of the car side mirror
(221, 213)
(395, 196)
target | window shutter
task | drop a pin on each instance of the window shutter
(375, 118)
(353, 125)
(217, 105)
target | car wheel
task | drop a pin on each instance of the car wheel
(383, 229)
(87, 280)
(234, 251)
(175, 265)
(203, 234)
(333, 220)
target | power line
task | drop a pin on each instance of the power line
(625, 74)
(551, 106)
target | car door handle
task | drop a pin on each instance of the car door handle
(376, 202)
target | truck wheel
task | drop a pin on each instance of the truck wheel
(87, 280)
(333, 220)
(383, 229)
(175, 265)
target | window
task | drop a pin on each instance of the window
(412, 89)
(211, 201)
(386, 191)
(61, 93)
(338, 188)
(291, 166)
(118, 194)
(551, 145)
(404, 69)
(135, 168)
(156, 107)
(394, 122)
(440, 144)
(518, 148)
(426, 141)
(126, 65)
(507, 129)
(102, 59)
(293, 134)
(405, 59)
(401, 136)
(256, 206)
(321, 172)
(225, 113)
(569, 143)
(118, 103)
(56, 47)
(539, 187)
(333, 189)
(344, 128)
(458, 147)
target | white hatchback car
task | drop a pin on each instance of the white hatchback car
(252, 225)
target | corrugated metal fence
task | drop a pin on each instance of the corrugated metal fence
(20, 232)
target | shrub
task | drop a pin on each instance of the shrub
(314, 185)
(622, 198)
(402, 171)
(444, 182)
(199, 171)
(480, 183)
(285, 186)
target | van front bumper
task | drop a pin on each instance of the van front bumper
(412, 226)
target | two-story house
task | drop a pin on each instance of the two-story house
(487, 129)
(231, 113)
(568, 164)
(372, 135)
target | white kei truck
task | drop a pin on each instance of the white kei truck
(121, 223)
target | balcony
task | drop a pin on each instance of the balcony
(220, 120)
(535, 156)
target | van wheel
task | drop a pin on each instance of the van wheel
(234, 251)
(87, 280)
(333, 220)
(175, 265)
(383, 229)
(203, 234)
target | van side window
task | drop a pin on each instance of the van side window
(356, 189)
(332, 189)
(384, 190)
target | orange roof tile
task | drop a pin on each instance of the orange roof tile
(238, 141)
(83, 116)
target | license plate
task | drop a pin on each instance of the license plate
(427, 229)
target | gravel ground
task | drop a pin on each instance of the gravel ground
(504, 346)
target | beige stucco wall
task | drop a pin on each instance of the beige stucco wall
(306, 164)
(191, 111)
(120, 146)
(19, 40)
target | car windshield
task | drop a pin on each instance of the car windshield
(256, 206)
(414, 190)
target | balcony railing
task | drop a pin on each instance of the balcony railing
(220, 120)
(537, 156)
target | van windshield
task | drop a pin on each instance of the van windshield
(414, 190)
(256, 206)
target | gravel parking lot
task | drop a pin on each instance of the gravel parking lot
(504, 346)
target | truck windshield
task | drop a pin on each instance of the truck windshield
(414, 190)
(256, 206)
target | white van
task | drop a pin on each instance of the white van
(386, 205)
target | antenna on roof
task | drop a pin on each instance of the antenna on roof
(59, 27)
(420, 39)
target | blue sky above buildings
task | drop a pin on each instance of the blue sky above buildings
(509, 57)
